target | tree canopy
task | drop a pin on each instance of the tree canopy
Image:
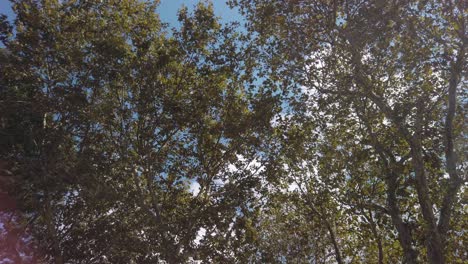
(311, 132)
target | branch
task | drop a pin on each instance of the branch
(455, 181)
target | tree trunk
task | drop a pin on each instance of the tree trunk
(434, 246)
(455, 182)
(336, 247)
(404, 233)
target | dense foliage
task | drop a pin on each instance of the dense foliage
(320, 131)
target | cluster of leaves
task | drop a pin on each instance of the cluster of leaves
(323, 132)
(374, 140)
(121, 135)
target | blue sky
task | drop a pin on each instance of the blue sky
(5, 8)
(167, 10)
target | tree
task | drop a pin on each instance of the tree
(389, 75)
(113, 119)
(325, 132)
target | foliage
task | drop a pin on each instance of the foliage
(109, 120)
(321, 132)
(383, 85)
